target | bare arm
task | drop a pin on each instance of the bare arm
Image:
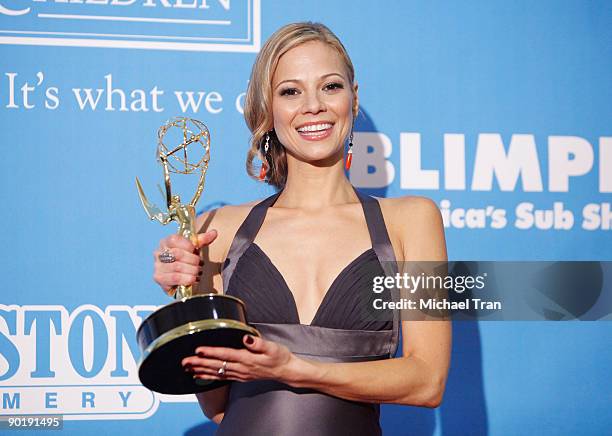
(213, 403)
(204, 273)
(419, 376)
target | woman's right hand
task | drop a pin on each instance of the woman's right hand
(186, 268)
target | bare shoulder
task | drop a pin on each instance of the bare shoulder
(225, 217)
(416, 223)
(413, 205)
(225, 220)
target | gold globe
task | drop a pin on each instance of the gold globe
(183, 145)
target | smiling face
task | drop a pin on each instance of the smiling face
(313, 103)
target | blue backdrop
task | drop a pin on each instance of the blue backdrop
(499, 111)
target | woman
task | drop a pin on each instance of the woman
(303, 260)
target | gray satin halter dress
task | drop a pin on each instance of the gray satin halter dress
(339, 332)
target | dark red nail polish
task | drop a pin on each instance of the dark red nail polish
(249, 339)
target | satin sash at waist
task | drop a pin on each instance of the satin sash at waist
(267, 407)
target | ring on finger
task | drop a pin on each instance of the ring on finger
(221, 371)
(166, 256)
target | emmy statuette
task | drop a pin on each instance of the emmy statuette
(174, 332)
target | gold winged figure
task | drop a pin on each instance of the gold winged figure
(176, 160)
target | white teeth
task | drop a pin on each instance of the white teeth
(315, 127)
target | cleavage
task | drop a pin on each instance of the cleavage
(316, 300)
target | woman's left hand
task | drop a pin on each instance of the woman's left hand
(260, 360)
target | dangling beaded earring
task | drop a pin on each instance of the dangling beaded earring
(349, 154)
(264, 163)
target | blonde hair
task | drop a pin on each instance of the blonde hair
(258, 100)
